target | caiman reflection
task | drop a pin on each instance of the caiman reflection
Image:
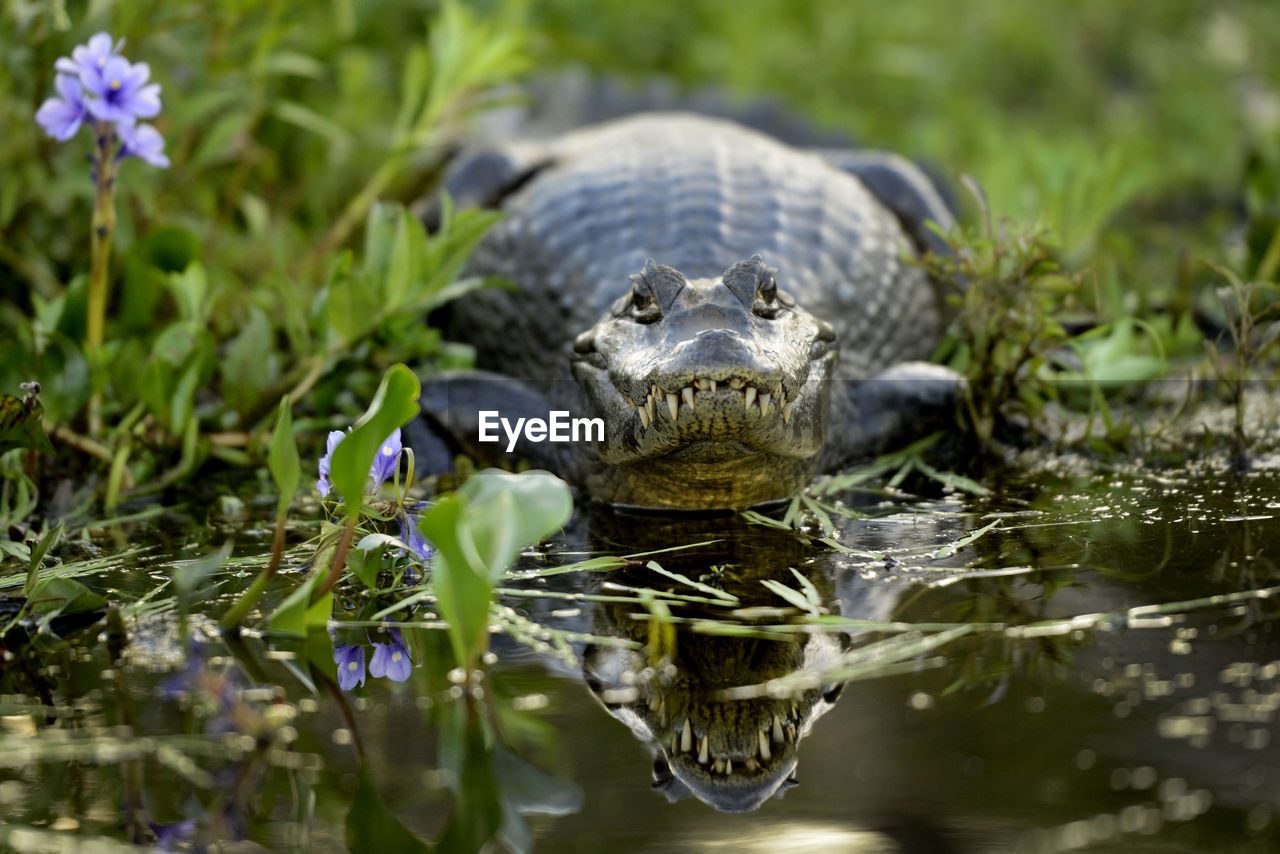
(733, 754)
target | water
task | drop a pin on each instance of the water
(1098, 671)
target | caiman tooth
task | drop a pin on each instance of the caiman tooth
(711, 386)
(751, 396)
(675, 743)
(686, 394)
(718, 766)
(777, 730)
(644, 416)
(704, 750)
(649, 407)
(764, 403)
(736, 382)
(777, 389)
(686, 737)
(673, 405)
(728, 767)
(765, 753)
(786, 412)
(752, 765)
(704, 384)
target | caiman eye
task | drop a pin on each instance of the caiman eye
(641, 304)
(766, 303)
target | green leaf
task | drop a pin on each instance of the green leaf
(406, 252)
(190, 574)
(286, 467)
(189, 289)
(395, 402)
(294, 616)
(371, 826)
(47, 542)
(249, 365)
(55, 596)
(22, 424)
(529, 505)
(462, 592)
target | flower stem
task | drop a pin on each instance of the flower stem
(104, 225)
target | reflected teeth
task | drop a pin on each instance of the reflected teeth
(686, 737)
(777, 730)
(704, 745)
(765, 753)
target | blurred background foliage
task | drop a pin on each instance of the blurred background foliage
(1144, 136)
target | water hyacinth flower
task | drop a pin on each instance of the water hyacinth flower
(141, 141)
(89, 59)
(61, 117)
(121, 91)
(412, 537)
(350, 661)
(391, 659)
(384, 462)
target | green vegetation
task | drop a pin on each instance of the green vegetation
(270, 286)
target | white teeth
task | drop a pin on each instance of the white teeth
(673, 405)
(751, 396)
(752, 764)
(765, 753)
(764, 403)
(703, 384)
(718, 766)
(704, 751)
(728, 766)
(686, 737)
(786, 412)
(644, 416)
(711, 386)
(686, 394)
(777, 730)
(777, 389)
(648, 405)
(736, 382)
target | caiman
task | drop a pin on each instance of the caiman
(740, 313)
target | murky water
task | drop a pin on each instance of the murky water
(1098, 670)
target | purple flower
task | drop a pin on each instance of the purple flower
(384, 464)
(173, 834)
(350, 661)
(330, 446)
(141, 141)
(391, 659)
(412, 537)
(88, 60)
(121, 92)
(61, 117)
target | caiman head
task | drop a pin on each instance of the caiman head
(714, 392)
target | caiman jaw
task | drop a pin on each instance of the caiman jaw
(756, 400)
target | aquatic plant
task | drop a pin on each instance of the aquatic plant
(99, 89)
(1253, 323)
(1010, 293)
